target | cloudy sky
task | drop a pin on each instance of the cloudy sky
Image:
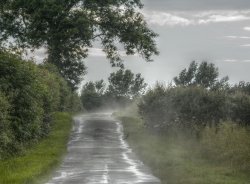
(217, 31)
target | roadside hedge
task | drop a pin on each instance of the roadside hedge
(192, 107)
(5, 133)
(29, 95)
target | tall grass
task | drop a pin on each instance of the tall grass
(229, 144)
(37, 162)
(183, 159)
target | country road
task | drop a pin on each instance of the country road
(97, 154)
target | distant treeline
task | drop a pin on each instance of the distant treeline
(123, 87)
(29, 95)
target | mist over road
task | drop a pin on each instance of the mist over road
(97, 154)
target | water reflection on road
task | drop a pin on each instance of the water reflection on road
(97, 154)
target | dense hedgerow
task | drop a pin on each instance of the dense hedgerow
(192, 107)
(30, 94)
(5, 133)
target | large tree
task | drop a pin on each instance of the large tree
(124, 83)
(67, 28)
(92, 94)
(204, 74)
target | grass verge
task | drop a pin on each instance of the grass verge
(35, 165)
(177, 160)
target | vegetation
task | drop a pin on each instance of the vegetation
(192, 108)
(33, 165)
(194, 131)
(125, 83)
(29, 95)
(218, 157)
(92, 95)
(194, 104)
(68, 28)
(5, 134)
(123, 88)
(204, 74)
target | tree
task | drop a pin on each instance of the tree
(205, 74)
(138, 86)
(124, 83)
(92, 93)
(67, 28)
(242, 86)
(186, 77)
(100, 87)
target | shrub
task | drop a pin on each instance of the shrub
(228, 143)
(59, 86)
(5, 131)
(75, 103)
(20, 80)
(189, 107)
(198, 105)
(156, 108)
(240, 108)
(34, 93)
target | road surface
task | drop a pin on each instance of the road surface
(97, 154)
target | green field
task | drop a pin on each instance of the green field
(177, 159)
(36, 164)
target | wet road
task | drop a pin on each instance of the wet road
(97, 154)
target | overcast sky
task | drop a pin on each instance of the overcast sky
(217, 31)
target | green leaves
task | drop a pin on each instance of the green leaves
(29, 95)
(68, 28)
(190, 107)
(123, 87)
(124, 83)
(5, 129)
(204, 74)
(92, 95)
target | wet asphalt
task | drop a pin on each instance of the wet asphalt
(98, 154)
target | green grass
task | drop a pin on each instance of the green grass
(36, 164)
(178, 160)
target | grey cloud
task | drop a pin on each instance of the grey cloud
(187, 18)
(247, 28)
(238, 37)
(196, 4)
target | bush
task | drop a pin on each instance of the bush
(59, 86)
(75, 103)
(34, 93)
(5, 131)
(188, 107)
(240, 108)
(199, 106)
(156, 108)
(21, 81)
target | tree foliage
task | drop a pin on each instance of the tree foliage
(198, 99)
(92, 95)
(125, 83)
(204, 74)
(187, 76)
(29, 95)
(68, 28)
(5, 129)
(185, 107)
(123, 87)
